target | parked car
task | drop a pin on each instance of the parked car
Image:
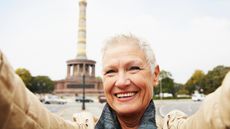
(101, 98)
(80, 99)
(52, 99)
(198, 97)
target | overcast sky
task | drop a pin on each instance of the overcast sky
(41, 35)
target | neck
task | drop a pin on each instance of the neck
(130, 121)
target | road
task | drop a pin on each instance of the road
(187, 106)
(162, 107)
(67, 110)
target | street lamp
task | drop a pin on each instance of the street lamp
(83, 85)
(161, 94)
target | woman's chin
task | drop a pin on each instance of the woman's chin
(127, 110)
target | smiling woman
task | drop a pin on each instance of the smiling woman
(129, 76)
(130, 73)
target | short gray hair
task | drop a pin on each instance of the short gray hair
(143, 45)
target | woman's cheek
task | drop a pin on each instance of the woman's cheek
(139, 81)
(107, 85)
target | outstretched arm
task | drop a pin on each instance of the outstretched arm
(20, 109)
(214, 112)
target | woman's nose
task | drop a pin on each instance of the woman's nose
(122, 81)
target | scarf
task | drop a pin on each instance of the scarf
(108, 119)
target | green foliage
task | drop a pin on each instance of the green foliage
(164, 74)
(168, 86)
(180, 89)
(183, 91)
(25, 75)
(214, 78)
(206, 83)
(194, 83)
(166, 82)
(42, 84)
(38, 84)
(157, 89)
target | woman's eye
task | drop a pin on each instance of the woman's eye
(135, 68)
(109, 72)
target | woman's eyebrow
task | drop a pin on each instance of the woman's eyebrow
(135, 62)
(108, 67)
(129, 62)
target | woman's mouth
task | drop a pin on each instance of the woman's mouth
(125, 95)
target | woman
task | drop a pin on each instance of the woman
(129, 73)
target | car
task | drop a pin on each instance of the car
(80, 99)
(52, 99)
(101, 98)
(198, 97)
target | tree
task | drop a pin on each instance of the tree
(214, 78)
(168, 86)
(194, 83)
(180, 89)
(166, 83)
(164, 74)
(25, 75)
(42, 84)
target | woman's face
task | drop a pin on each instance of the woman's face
(127, 79)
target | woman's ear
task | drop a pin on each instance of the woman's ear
(156, 75)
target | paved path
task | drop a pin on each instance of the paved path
(187, 106)
(67, 110)
(162, 107)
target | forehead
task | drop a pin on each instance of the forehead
(123, 51)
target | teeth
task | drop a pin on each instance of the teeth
(124, 95)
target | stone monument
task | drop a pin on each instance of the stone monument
(76, 68)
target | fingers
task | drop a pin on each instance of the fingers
(85, 118)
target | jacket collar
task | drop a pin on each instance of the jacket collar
(108, 119)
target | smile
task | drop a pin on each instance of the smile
(125, 95)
